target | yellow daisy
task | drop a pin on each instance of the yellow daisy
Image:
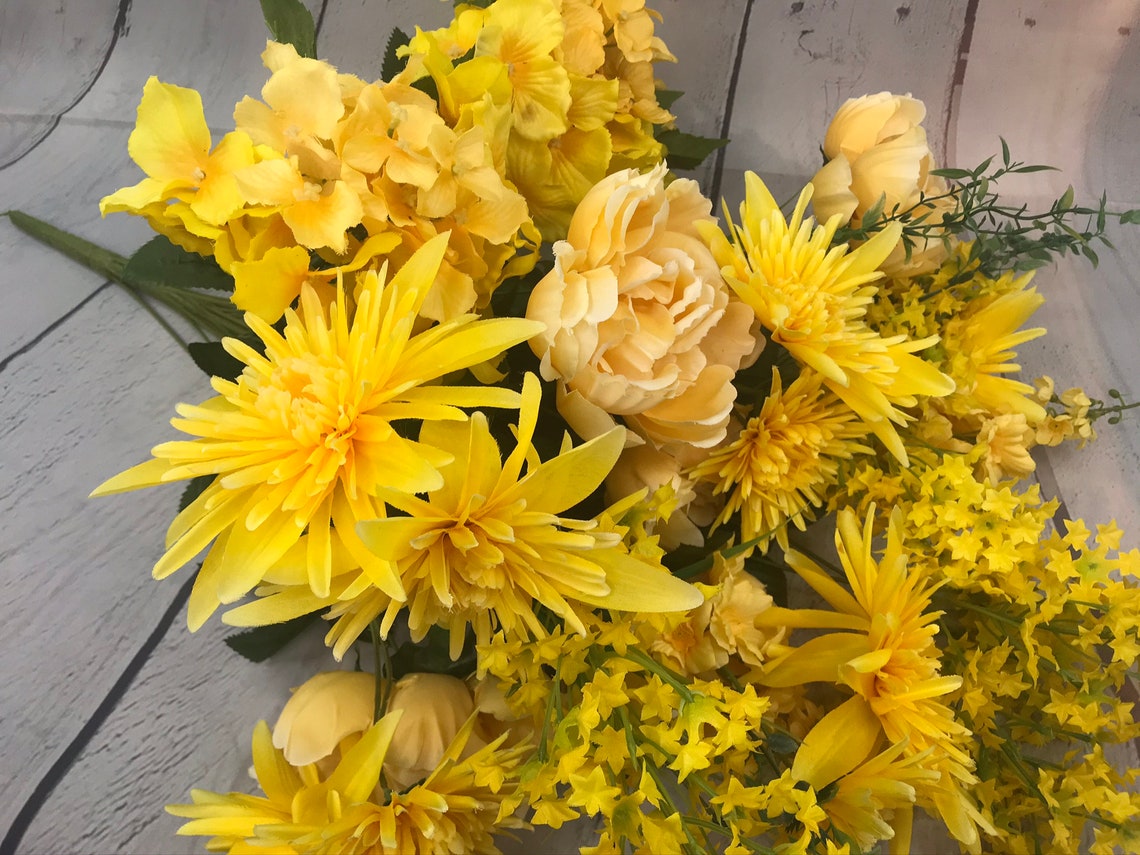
(304, 439)
(812, 298)
(785, 458)
(350, 810)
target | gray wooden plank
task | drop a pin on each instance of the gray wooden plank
(1068, 97)
(803, 60)
(61, 181)
(49, 54)
(186, 722)
(75, 590)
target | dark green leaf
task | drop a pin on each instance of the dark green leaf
(393, 65)
(212, 358)
(261, 642)
(431, 656)
(1022, 170)
(292, 24)
(159, 262)
(1131, 217)
(952, 172)
(667, 97)
(687, 151)
(1004, 151)
(428, 86)
(781, 743)
(195, 488)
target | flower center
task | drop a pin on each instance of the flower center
(311, 398)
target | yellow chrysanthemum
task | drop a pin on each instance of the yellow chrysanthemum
(303, 440)
(785, 459)
(350, 810)
(812, 297)
(882, 648)
(980, 348)
(487, 543)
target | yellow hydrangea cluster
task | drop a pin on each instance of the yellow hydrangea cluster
(319, 179)
(571, 82)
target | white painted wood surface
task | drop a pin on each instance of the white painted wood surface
(85, 391)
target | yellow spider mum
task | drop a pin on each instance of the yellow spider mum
(980, 346)
(487, 543)
(784, 459)
(812, 298)
(350, 810)
(303, 440)
(882, 648)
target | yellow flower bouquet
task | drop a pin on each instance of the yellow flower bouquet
(537, 438)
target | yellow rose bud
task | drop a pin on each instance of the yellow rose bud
(435, 708)
(877, 149)
(323, 711)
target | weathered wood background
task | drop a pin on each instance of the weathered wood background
(108, 707)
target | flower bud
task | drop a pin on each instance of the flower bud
(877, 149)
(435, 708)
(323, 711)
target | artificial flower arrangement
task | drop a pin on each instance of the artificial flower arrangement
(501, 401)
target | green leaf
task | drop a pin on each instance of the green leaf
(772, 575)
(212, 358)
(428, 86)
(667, 97)
(195, 488)
(292, 24)
(159, 262)
(953, 173)
(687, 151)
(781, 743)
(393, 65)
(1131, 217)
(1022, 170)
(1004, 151)
(430, 656)
(261, 642)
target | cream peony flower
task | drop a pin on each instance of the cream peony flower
(639, 322)
(876, 147)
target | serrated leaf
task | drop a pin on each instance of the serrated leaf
(667, 97)
(261, 642)
(195, 488)
(393, 65)
(687, 151)
(212, 358)
(291, 23)
(159, 262)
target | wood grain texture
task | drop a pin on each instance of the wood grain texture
(186, 721)
(803, 59)
(83, 402)
(75, 590)
(49, 54)
(1069, 96)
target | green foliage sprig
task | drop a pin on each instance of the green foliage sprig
(1004, 237)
